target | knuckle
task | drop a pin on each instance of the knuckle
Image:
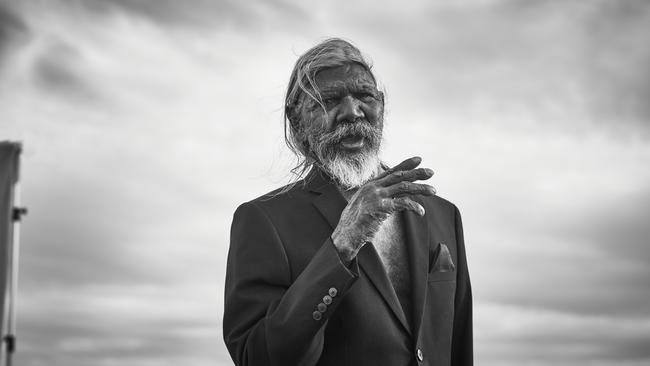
(386, 204)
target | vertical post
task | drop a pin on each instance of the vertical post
(9, 218)
(14, 251)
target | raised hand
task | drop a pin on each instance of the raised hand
(373, 202)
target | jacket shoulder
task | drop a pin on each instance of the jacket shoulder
(440, 204)
(289, 195)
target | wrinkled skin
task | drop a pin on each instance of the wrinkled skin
(373, 202)
(350, 96)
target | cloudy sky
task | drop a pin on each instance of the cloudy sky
(146, 122)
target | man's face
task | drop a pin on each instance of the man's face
(348, 132)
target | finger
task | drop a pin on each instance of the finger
(406, 176)
(405, 203)
(409, 188)
(408, 164)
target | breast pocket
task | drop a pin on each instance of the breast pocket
(441, 276)
(442, 266)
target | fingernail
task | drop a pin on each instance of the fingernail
(429, 171)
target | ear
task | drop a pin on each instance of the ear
(381, 96)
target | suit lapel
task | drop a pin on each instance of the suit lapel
(371, 264)
(330, 203)
(417, 239)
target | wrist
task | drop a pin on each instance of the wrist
(344, 248)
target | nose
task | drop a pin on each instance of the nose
(349, 110)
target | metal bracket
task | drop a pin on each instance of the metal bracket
(18, 213)
(10, 340)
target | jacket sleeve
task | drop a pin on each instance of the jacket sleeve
(270, 318)
(462, 342)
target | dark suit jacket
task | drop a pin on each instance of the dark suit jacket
(282, 263)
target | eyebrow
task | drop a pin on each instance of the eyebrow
(333, 88)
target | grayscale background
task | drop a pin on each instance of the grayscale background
(145, 123)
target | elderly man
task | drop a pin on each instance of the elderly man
(356, 264)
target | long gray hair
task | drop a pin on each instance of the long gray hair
(331, 52)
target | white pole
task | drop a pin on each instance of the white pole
(8, 334)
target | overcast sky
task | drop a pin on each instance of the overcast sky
(145, 124)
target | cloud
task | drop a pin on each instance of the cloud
(552, 221)
(618, 227)
(571, 65)
(536, 336)
(82, 327)
(156, 211)
(13, 30)
(199, 14)
(146, 123)
(57, 70)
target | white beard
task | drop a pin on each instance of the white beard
(353, 171)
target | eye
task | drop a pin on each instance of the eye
(366, 97)
(329, 101)
(310, 105)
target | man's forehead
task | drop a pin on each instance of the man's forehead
(344, 74)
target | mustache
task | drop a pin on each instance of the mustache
(359, 128)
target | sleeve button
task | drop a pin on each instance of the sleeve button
(420, 355)
(333, 291)
(327, 299)
(322, 307)
(317, 315)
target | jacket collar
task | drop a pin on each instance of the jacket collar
(329, 200)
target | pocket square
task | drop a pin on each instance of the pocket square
(441, 259)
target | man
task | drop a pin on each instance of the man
(356, 264)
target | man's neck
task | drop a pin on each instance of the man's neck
(349, 192)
